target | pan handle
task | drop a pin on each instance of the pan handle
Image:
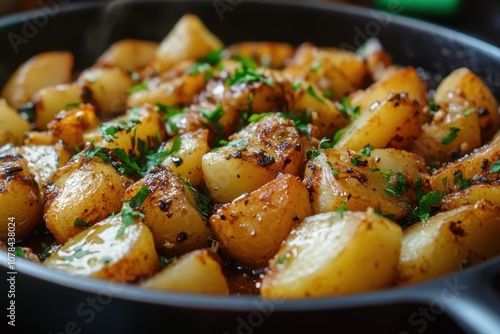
(477, 306)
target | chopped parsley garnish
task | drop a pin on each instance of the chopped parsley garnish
(171, 115)
(257, 117)
(458, 179)
(213, 116)
(328, 94)
(346, 108)
(396, 185)
(18, 251)
(310, 91)
(495, 167)
(445, 180)
(80, 223)
(323, 145)
(388, 216)
(338, 135)
(367, 150)
(449, 138)
(203, 202)
(106, 260)
(425, 204)
(317, 66)
(433, 107)
(138, 88)
(341, 210)
(281, 260)
(300, 118)
(237, 143)
(165, 261)
(72, 105)
(335, 173)
(109, 131)
(96, 152)
(205, 65)
(247, 62)
(128, 165)
(128, 213)
(247, 75)
(468, 111)
(297, 85)
(156, 159)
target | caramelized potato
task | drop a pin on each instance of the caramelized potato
(449, 241)
(196, 272)
(472, 195)
(104, 252)
(20, 198)
(12, 125)
(95, 186)
(396, 120)
(462, 83)
(131, 55)
(108, 88)
(331, 254)
(251, 228)
(43, 70)
(189, 39)
(267, 54)
(171, 212)
(336, 177)
(49, 101)
(255, 156)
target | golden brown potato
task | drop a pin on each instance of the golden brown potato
(251, 228)
(43, 70)
(188, 40)
(49, 101)
(95, 186)
(397, 120)
(172, 212)
(20, 198)
(70, 124)
(335, 178)
(126, 131)
(267, 54)
(478, 167)
(403, 81)
(255, 156)
(108, 251)
(196, 272)
(187, 161)
(131, 55)
(472, 195)
(449, 241)
(462, 83)
(12, 125)
(108, 88)
(335, 254)
(454, 132)
(43, 161)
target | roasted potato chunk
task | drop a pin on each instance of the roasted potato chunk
(449, 241)
(188, 40)
(331, 254)
(472, 195)
(131, 55)
(172, 212)
(108, 251)
(335, 178)
(43, 70)
(95, 186)
(462, 83)
(251, 228)
(20, 197)
(267, 54)
(12, 125)
(254, 157)
(196, 272)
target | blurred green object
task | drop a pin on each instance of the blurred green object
(434, 8)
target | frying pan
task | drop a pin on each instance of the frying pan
(49, 301)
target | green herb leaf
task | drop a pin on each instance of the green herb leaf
(300, 118)
(367, 150)
(328, 94)
(18, 251)
(310, 91)
(338, 135)
(156, 159)
(257, 117)
(346, 108)
(78, 254)
(96, 152)
(449, 138)
(81, 223)
(396, 185)
(425, 204)
(433, 107)
(106, 260)
(139, 198)
(341, 210)
(468, 111)
(281, 260)
(458, 179)
(419, 192)
(495, 167)
(138, 88)
(297, 85)
(213, 116)
(317, 66)
(388, 216)
(238, 143)
(247, 62)
(203, 202)
(246, 75)
(312, 153)
(445, 180)
(335, 173)
(72, 105)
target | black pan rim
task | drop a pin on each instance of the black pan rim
(246, 303)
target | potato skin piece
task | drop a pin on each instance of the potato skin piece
(251, 228)
(449, 241)
(472, 195)
(95, 186)
(99, 253)
(331, 255)
(20, 197)
(171, 213)
(196, 272)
